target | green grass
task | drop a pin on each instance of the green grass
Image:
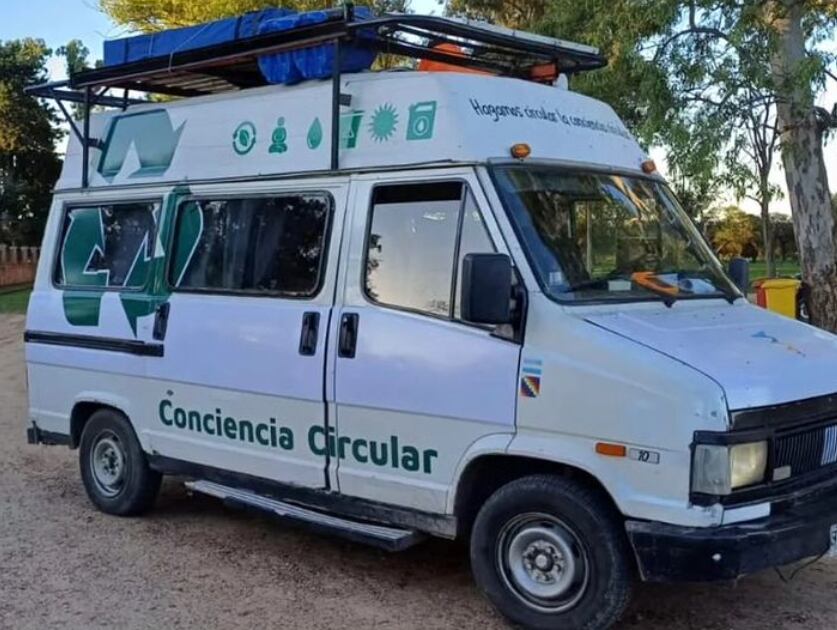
(14, 301)
(784, 268)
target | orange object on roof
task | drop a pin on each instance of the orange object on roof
(428, 65)
(544, 73)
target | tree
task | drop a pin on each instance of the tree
(520, 14)
(696, 194)
(76, 56)
(756, 141)
(796, 67)
(734, 233)
(156, 15)
(29, 165)
(784, 238)
(76, 59)
(636, 89)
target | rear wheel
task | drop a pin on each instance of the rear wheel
(549, 553)
(114, 468)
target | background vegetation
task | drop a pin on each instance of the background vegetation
(725, 87)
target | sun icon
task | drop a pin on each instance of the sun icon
(384, 122)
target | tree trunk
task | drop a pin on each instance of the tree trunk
(767, 236)
(802, 156)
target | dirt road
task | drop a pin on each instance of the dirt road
(194, 564)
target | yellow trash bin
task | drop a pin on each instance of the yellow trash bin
(778, 295)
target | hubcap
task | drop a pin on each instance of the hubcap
(543, 562)
(107, 464)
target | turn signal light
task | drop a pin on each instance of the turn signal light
(610, 450)
(648, 167)
(521, 151)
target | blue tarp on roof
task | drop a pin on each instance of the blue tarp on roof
(308, 63)
(314, 62)
(142, 47)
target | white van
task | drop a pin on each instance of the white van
(491, 321)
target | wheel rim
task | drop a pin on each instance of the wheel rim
(108, 464)
(543, 562)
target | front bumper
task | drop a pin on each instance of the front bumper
(798, 528)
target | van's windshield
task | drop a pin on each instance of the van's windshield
(595, 237)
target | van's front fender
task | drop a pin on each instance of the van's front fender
(640, 489)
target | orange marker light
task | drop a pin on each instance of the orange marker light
(648, 167)
(521, 151)
(611, 450)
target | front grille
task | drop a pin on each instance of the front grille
(806, 450)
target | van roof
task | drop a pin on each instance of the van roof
(359, 120)
(229, 61)
(387, 120)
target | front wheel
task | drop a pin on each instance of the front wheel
(114, 468)
(550, 553)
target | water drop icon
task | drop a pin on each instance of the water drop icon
(315, 134)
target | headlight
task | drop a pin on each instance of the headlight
(719, 469)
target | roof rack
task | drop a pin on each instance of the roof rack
(233, 65)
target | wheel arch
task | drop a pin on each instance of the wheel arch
(487, 473)
(84, 408)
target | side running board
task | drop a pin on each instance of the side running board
(380, 536)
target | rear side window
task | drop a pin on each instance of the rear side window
(255, 245)
(418, 236)
(107, 246)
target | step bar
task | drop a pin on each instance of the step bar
(380, 536)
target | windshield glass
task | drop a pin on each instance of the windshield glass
(596, 237)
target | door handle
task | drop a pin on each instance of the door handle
(347, 346)
(161, 321)
(310, 334)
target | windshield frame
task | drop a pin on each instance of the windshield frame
(561, 167)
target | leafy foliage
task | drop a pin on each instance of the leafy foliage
(29, 165)
(733, 233)
(157, 15)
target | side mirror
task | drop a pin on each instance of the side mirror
(486, 288)
(739, 271)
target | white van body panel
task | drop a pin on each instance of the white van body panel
(596, 386)
(59, 377)
(414, 376)
(760, 358)
(239, 354)
(471, 118)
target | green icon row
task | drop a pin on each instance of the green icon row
(382, 127)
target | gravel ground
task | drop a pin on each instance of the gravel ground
(192, 563)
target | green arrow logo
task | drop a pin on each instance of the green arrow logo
(81, 264)
(86, 262)
(150, 133)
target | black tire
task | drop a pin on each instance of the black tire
(535, 516)
(114, 468)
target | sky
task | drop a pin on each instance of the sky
(58, 21)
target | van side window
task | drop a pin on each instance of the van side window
(411, 259)
(255, 245)
(104, 246)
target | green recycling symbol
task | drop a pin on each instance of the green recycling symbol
(244, 138)
(87, 265)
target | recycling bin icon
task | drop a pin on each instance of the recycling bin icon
(350, 128)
